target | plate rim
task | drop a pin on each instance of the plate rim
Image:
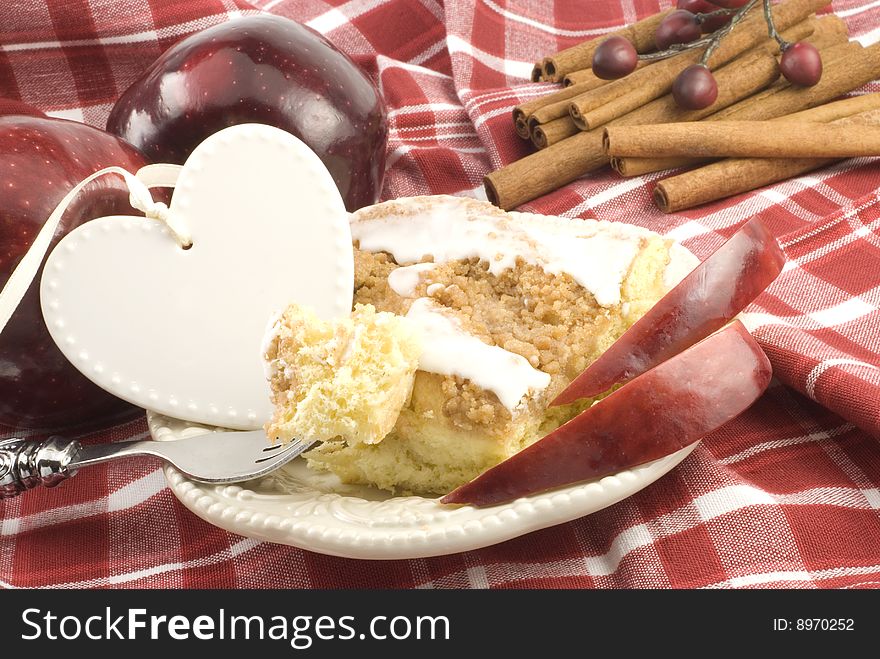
(428, 532)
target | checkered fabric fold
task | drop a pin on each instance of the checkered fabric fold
(786, 495)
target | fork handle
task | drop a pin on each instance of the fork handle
(25, 465)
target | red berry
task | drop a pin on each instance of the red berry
(801, 64)
(680, 26)
(704, 7)
(614, 58)
(714, 23)
(695, 88)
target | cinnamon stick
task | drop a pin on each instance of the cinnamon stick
(550, 112)
(529, 116)
(828, 30)
(831, 51)
(577, 77)
(744, 139)
(558, 106)
(545, 170)
(846, 67)
(739, 79)
(580, 56)
(587, 75)
(636, 89)
(600, 106)
(523, 111)
(841, 109)
(801, 31)
(544, 135)
(642, 84)
(737, 175)
(811, 29)
(820, 114)
(579, 154)
(567, 160)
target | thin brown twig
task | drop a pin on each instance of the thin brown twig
(771, 27)
(711, 41)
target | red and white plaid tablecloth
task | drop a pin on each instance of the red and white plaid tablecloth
(786, 495)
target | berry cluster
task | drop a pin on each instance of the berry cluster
(695, 87)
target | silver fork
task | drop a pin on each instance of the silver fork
(213, 457)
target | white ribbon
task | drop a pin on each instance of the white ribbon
(151, 176)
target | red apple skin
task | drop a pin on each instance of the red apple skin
(41, 159)
(658, 413)
(709, 297)
(260, 69)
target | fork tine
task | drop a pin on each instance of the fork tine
(236, 456)
(294, 447)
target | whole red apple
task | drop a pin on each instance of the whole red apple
(260, 69)
(41, 159)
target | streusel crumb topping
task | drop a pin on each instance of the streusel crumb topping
(546, 318)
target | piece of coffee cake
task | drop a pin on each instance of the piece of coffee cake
(509, 308)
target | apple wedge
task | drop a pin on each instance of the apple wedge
(710, 296)
(658, 413)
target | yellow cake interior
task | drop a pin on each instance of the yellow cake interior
(392, 409)
(346, 380)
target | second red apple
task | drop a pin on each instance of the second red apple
(260, 69)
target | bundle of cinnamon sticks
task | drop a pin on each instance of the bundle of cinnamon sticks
(763, 127)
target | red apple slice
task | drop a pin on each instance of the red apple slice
(658, 413)
(710, 296)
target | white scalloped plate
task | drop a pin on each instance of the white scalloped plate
(296, 506)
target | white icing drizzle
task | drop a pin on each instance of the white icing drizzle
(405, 280)
(598, 261)
(596, 254)
(508, 375)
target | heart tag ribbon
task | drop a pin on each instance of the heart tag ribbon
(171, 315)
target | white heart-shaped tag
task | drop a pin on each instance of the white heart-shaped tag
(179, 331)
